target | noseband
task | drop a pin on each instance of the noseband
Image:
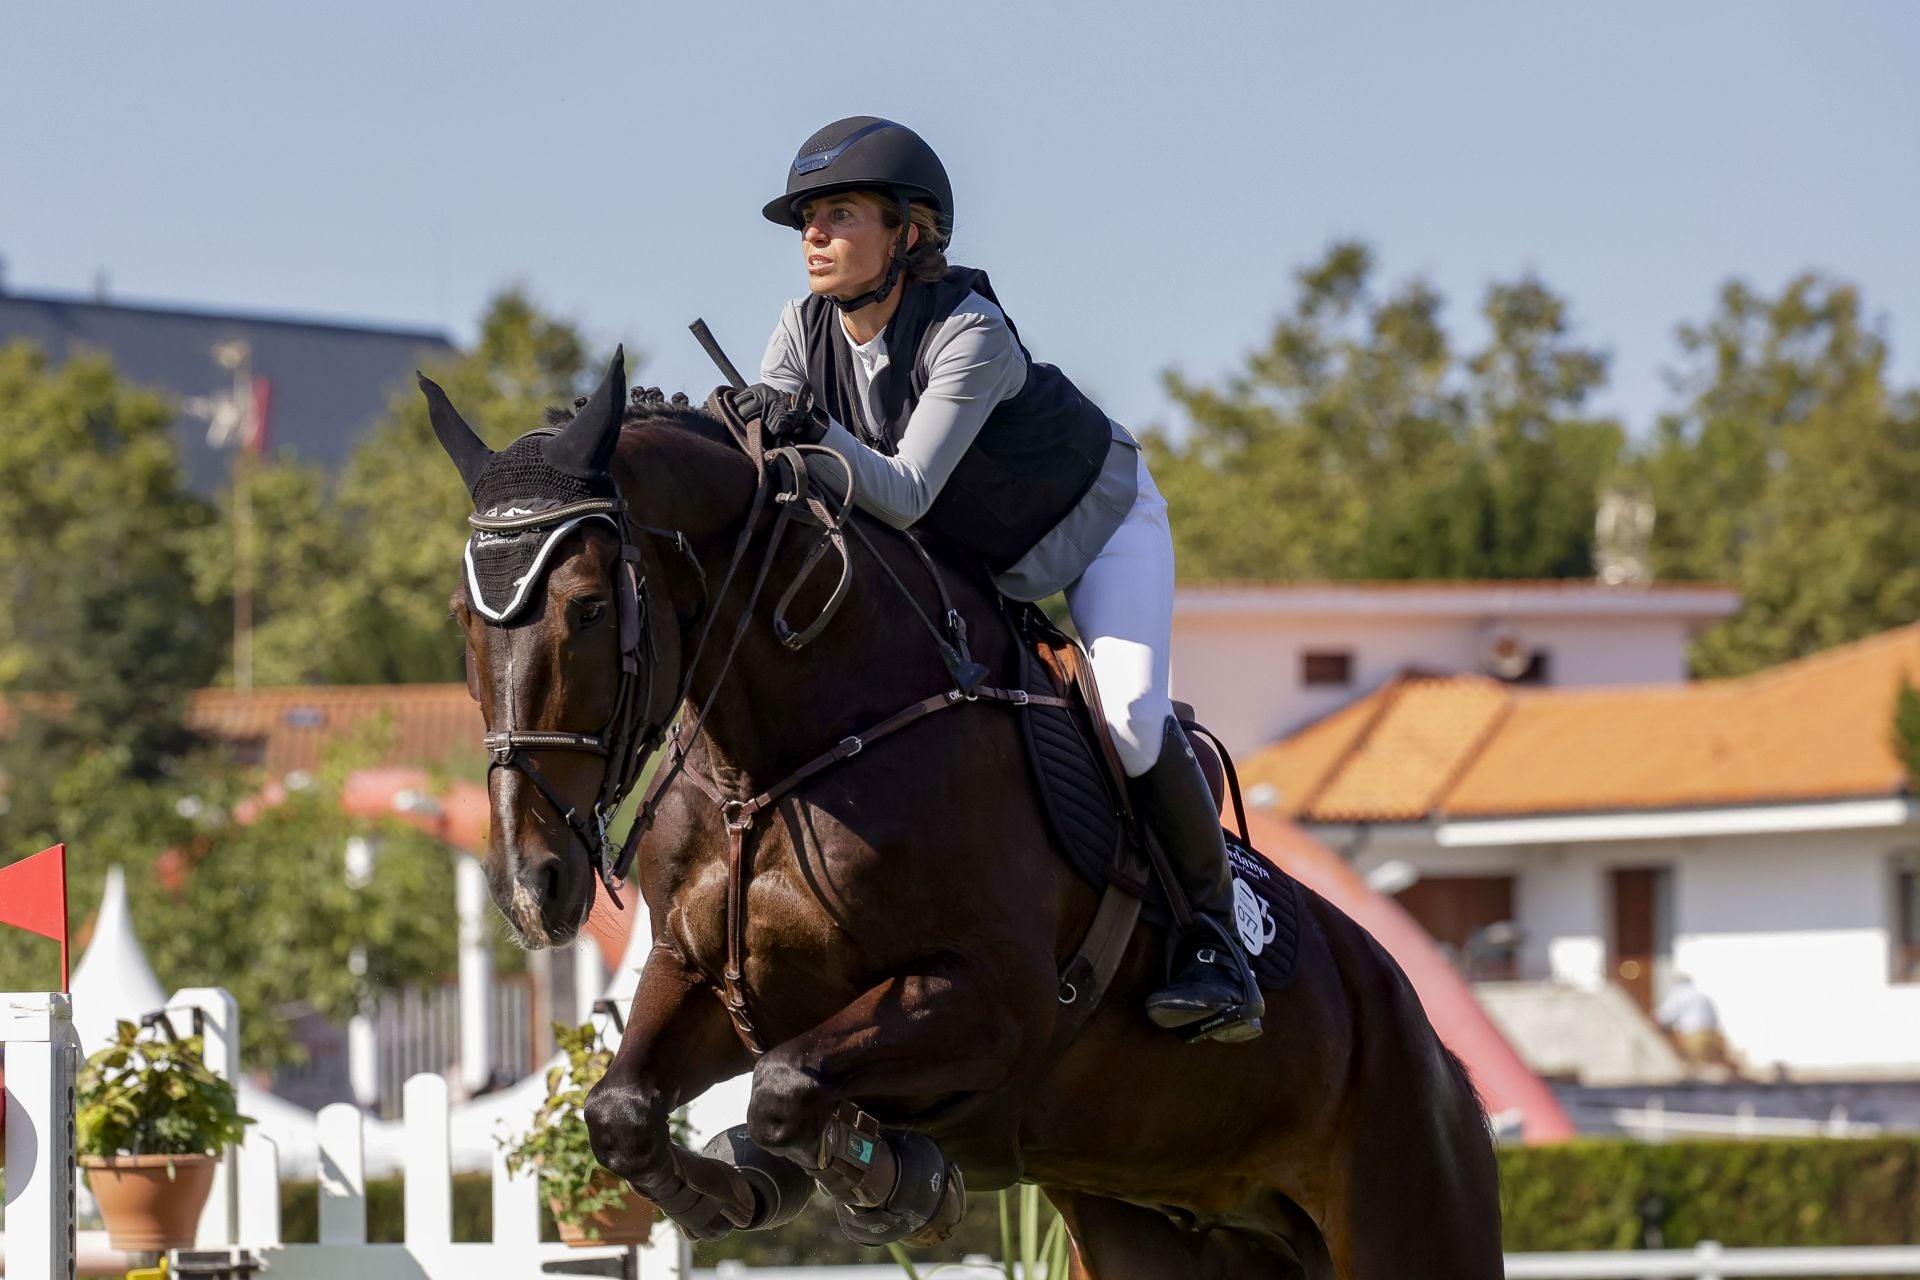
(626, 740)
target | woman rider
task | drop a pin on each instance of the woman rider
(909, 368)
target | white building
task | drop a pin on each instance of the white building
(1259, 662)
(1759, 835)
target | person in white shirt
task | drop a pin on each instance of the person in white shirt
(1689, 1016)
(910, 369)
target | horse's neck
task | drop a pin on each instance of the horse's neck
(774, 709)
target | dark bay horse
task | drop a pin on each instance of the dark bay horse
(906, 920)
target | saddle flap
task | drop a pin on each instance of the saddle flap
(1081, 785)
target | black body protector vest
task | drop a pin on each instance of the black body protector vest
(1036, 455)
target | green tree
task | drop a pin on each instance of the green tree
(1286, 468)
(102, 634)
(1790, 472)
(1356, 445)
(230, 891)
(1540, 462)
(354, 588)
(265, 910)
(95, 519)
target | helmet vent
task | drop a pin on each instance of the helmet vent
(819, 142)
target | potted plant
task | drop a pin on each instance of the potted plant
(590, 1205)
(151, 1123)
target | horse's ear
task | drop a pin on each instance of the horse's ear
(456, 437)
(584, 446)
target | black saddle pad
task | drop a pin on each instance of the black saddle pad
(1083, 814)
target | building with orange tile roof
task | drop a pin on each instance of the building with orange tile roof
(1260, 661)
(287, 729)
(1759, 834)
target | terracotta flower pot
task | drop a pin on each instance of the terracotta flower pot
(150, 1203)
(631, 1223)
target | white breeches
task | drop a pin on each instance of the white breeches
(1123, 608)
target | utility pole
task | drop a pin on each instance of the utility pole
(237, 356)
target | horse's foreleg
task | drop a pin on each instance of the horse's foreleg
(912, 1036)
(677, 1044)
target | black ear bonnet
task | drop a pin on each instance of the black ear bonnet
(528, 496)
(524, 508)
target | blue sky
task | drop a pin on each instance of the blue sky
(1140, 179)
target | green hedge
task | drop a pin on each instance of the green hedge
(1581, 1196)
(1812, 1192)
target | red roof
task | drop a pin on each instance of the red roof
(289, 728)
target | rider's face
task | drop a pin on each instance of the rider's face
(846, 243)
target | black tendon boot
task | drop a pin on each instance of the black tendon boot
(1210, 992)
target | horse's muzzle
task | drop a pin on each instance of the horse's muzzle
(545, 896)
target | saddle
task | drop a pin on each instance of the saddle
(1083, 793)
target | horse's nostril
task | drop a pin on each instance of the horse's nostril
(550, 882)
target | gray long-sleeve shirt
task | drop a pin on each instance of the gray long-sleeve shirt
(973, 365)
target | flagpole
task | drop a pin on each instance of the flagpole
(237, 355)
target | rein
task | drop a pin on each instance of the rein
(629, 739)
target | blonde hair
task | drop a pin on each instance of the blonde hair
(927, 260)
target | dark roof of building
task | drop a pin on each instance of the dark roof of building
(331, 381)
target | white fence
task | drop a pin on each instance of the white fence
(1708, 1262)
(244, 1210)
(1654, 1123)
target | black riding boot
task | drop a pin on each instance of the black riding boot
(1210, 993)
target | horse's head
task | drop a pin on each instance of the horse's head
(568, 665)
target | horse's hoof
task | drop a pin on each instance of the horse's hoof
(953, 1205)
(781, 1188)
(705, 1221)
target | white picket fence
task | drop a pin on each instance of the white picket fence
(243, 1213)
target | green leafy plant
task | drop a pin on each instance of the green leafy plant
(557, 1147)
(150, 1094)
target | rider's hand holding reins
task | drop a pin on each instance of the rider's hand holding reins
(788, 417)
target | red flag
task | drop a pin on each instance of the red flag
(33, 896)
(254, 440)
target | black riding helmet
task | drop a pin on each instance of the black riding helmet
(866, 152)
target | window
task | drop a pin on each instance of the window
(1906, 918)
(1326, 667)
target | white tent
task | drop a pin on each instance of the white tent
(113, 981)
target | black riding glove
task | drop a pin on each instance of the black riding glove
(785, 416)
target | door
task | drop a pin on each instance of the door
(1467, 915)
(1641, 941)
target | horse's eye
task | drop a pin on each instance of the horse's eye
(591, 611)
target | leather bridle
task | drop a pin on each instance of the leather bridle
(627, 739)
(630, 736)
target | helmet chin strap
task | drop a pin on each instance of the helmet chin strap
(895, 265)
